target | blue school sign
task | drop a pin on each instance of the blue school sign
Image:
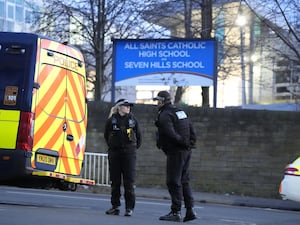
(173, 62)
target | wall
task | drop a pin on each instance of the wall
(238, 151)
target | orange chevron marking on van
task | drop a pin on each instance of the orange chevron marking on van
(78, 98)
(74, 54)
(55, 137)
(49, 121)
(66, 165)
(52, 45)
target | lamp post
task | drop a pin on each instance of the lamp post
(241, 22)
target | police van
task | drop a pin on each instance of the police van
(43, 109)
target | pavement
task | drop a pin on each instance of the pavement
(202, 197)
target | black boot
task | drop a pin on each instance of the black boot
(113, 211)
(172, 216)
(190, 215)
(128, 212)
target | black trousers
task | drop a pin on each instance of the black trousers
(122, 166)
(178, 164)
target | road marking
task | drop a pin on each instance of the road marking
(78, 197)
(88, 198)
(236, 222)
(158, 203)
(54, 195)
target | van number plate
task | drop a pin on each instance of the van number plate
(46, 159)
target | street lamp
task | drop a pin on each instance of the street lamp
(241, 22)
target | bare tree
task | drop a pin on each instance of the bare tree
(282, 18)
(206, 28)
(183, 19)
(206, 34)
(188, 34)
(93, 23)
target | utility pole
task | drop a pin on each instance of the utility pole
(206, 21)
(242, 21)
(242, 31)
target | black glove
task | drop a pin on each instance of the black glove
(158, 145)
(192, 144)
(183, 142)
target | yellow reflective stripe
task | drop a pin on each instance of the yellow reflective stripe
(9, 115)
(9, 123)
(77, 180)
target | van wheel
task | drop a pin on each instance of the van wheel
(72, 187)
(67, 186)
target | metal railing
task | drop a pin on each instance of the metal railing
(96, 168)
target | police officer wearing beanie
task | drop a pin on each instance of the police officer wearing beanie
(123, 137)
(176, 137)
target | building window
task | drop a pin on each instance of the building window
(19, 14)
(10, 26)
(28, 16)
(2, 9)
(220, 34)
(287, 79)
(10, 12)
(2, 24)
(19, 2)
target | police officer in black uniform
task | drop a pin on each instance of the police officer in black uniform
(123, 137)
(176, 137)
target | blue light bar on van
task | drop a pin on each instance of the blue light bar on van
(15, 49)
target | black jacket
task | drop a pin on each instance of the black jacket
(122, 132)
(175, 130)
